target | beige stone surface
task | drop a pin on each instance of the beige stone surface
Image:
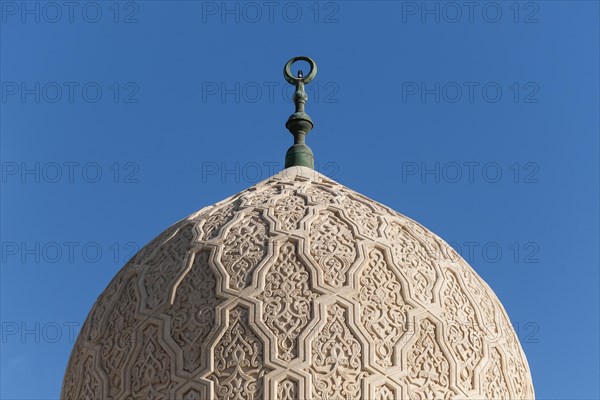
(297, 288)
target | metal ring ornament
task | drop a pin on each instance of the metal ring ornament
(287, 70)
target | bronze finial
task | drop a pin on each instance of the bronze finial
(299, 123)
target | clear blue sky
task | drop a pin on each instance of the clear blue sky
(479, 121)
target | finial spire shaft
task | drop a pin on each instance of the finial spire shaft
(299, 123)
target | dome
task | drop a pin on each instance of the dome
(297, 288)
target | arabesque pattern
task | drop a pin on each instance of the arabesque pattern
(297, 288)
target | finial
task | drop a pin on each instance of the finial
(299, 123)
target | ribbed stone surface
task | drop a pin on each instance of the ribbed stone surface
(297, 288)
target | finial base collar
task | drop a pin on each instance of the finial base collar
(299, 155)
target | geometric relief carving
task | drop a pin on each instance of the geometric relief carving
(193, 311)
(496, 386)
(428, 366)
(93, 326)
(91, 387)
(166, 265)
(238, 360)
(382, 308)
(151, 371)
(289, 210)
(245, 246)
(332, 245)
(483, 302)
(319, 195)
(517, 371)
(384, 393)
(439, 250)
(336, 367)
(412, 257)
(146, 251)
(172, 325)
(74, 374)
(193, 394)
(119, 336)
(287, 300)
(215, 221)
(261, 197)
(363, 216)
(287, 390)
(463, 333)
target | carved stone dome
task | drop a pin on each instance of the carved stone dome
(297, 288)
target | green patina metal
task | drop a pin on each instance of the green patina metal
(299, 123)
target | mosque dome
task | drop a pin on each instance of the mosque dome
(297, 288)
